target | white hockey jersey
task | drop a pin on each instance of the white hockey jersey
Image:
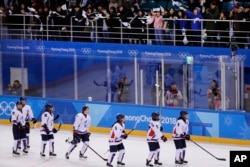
(27, 112)
(17, 116)
(154, 132)
(82, 123)
(48, 119)
(116, 134)
(180, 128)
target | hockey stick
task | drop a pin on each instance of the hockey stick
(69, 142)
(220, 159)
(104, 159)
(133, 128)
(59, 127)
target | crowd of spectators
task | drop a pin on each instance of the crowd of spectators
(127, 21)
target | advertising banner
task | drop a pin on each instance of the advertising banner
(221, 124)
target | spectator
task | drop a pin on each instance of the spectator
(173, 96)
(181, 27)
(123, 90)
(78, 22)
(114, 25)
(15, 88)
(103, 25)
(157, 21)
(170, 24)
(112, 80)
(237, 35)
(212, 13)
(214, 96)
(139, 25)
(223, 28)
(195, 24)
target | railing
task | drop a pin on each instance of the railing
(33, 28)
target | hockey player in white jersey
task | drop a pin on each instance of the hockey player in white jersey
(154, 134)
(80, 132)
(180, 135)
(18, 128)
(47, 130)
(29, 116)
(117, 134)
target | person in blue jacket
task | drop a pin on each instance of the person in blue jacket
(196, 24)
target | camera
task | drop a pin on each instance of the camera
(9, 86)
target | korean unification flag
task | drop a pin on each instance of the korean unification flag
(64, 7)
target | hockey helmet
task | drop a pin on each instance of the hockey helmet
(22, 98)
(18, 103)
(155, 116)
(48, 107)
(119, 117)
(183, 112)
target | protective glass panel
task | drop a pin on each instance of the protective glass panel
(59, 76)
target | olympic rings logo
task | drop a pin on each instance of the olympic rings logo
(239, 58)
(86, 50)
(40, 48)
(183, 55)
(6, 108)
(132, 52)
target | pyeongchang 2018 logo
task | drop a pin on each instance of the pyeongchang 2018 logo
(6, 107)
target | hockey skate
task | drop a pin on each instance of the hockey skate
(67, 155)
(52, 154)
(42, 154)
(15, 153)
(108, 164)
(25, 151)
(178, 162)
(148, 163)
(157, 162)
(120, 163)
(81, 155)
(184, 161)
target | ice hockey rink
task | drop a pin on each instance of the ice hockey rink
(136, 152)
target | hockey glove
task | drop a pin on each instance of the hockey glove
(54, 130)
(187, 137)
(183, 135)
(19, 125)
(34, 120)
(164, 138)
(124, 136)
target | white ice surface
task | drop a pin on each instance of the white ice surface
(136, 152)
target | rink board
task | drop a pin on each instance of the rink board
(232, 127)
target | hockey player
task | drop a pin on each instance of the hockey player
(180, 134)
(80, 132)
(47, 130)
(28, 115)
(117, 134)
(153, 135)
(18, 129)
